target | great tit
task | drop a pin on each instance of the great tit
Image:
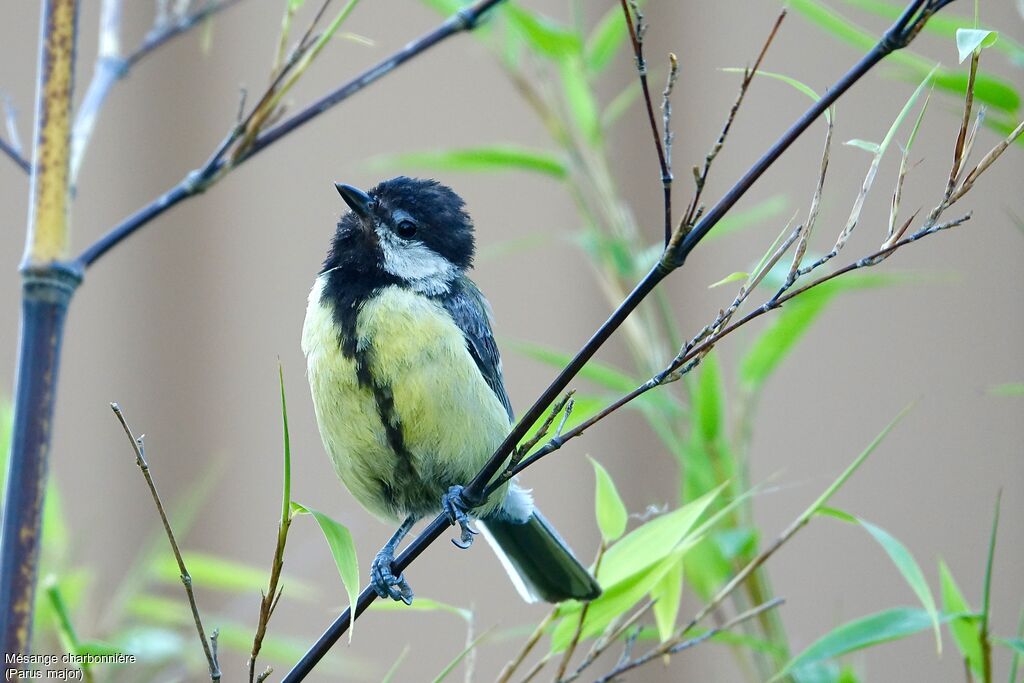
(407, 383)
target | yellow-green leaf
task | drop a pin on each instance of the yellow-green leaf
(343, 549)
(608, 506)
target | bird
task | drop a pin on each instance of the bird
(407, 384)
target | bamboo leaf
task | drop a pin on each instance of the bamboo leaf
(608, 506)
(709, 399)
(421, 605)
(738, 276)
(343, 549)
(580, 99)
(667, 594)
(1008, 389)
(964, 629)
(486, 158)
(881, 627)
(970, 39)
(222, 574)
(605, 40)
(544, 34)
(904, 562)
(652, 542)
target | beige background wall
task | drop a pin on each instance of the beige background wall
(183, 324)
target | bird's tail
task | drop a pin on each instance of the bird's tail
(538, 561)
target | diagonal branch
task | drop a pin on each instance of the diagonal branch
(111, 66)
(682, 243)
(209, 645)
(202, 178)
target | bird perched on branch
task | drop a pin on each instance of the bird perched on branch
(407, 384)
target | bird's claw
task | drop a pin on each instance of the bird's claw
(384, 581)
(455, 505)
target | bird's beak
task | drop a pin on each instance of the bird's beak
(356, 199)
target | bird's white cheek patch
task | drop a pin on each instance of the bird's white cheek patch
(425, 270)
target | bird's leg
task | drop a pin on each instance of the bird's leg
(456, 506)
(382, 578)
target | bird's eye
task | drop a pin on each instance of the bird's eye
(406, 229)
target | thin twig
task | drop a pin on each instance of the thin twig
(700, 177)
(701, 344)
(186, 579)
(679, 646)
(563, 665)
(666, 120)
(636, 37)
(201, 179)
(163, 31)
(11, 152)
(510, 668)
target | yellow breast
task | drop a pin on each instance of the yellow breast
(450, 420)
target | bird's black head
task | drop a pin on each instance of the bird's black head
(410, 229)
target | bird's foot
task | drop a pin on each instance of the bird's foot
(455, 505)
(384, 581)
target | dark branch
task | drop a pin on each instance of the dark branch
(898, 36)
(636, 37)
(199, 180)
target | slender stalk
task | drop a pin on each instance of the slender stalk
(209, 647)
(898, 36)
(510, 668)
(46, 291)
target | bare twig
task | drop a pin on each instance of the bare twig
(202, 178)
(186, 579)
(22, 163)
(166, 30)
(678, 645)
(636, 37)
(563, 665)
(700, 176)
(510, 668)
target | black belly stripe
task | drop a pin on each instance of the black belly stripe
(385, 402)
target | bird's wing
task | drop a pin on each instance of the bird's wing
(471, 312)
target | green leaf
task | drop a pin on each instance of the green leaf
(970, 39)
(151, 644)
(869, 147)
(667, 594)
(1015, 644)
(97, 648)
(286, 494)
(580, 99)
(731, 277)
(221, 574)
(616, 599)
(599, 373)
(905, 563)
(1009, 389)
(652, 542)
(608, 506)
(788, 80)
(964, 629)
(605, 40)
(709, 399)
(343, 549)
(881, 627)
(477, 159)
(545, 35)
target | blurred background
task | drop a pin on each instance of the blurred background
(184, 324)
